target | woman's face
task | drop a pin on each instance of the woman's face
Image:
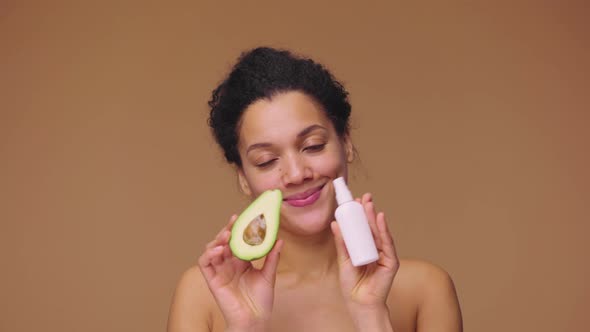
(288, 143)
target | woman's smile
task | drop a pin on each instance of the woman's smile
(305, 198)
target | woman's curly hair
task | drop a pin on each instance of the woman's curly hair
(262, 73)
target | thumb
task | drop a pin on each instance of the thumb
(269, 269)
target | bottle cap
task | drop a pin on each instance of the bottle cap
(343, 194)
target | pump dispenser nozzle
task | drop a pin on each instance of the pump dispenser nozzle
(343, 194)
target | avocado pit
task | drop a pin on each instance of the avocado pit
(255, 232)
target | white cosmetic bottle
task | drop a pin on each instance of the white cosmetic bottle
(354, 226)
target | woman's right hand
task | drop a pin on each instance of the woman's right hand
(243, 293)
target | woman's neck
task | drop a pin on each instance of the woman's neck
(308, 257)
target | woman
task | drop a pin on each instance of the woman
(283, 121)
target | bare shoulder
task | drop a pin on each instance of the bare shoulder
(423, 276)
(431, 291)
(191, 308)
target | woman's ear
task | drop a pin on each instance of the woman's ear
(243, 183)
(348, 148)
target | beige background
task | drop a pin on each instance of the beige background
(471, 120)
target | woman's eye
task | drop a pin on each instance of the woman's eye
(265, 163)
(314, 148)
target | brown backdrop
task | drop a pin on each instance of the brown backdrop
(471, 120)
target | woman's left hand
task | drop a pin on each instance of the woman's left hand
(365, 288)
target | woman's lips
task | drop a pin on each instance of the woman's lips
(306, 200)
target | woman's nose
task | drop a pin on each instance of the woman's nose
(295, 171)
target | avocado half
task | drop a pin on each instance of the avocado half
(254, 233)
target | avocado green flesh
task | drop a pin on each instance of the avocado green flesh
(254, 233)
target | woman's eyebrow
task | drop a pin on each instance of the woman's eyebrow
(258, 146)
(309, 129)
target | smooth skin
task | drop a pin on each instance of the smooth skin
(307, 281)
